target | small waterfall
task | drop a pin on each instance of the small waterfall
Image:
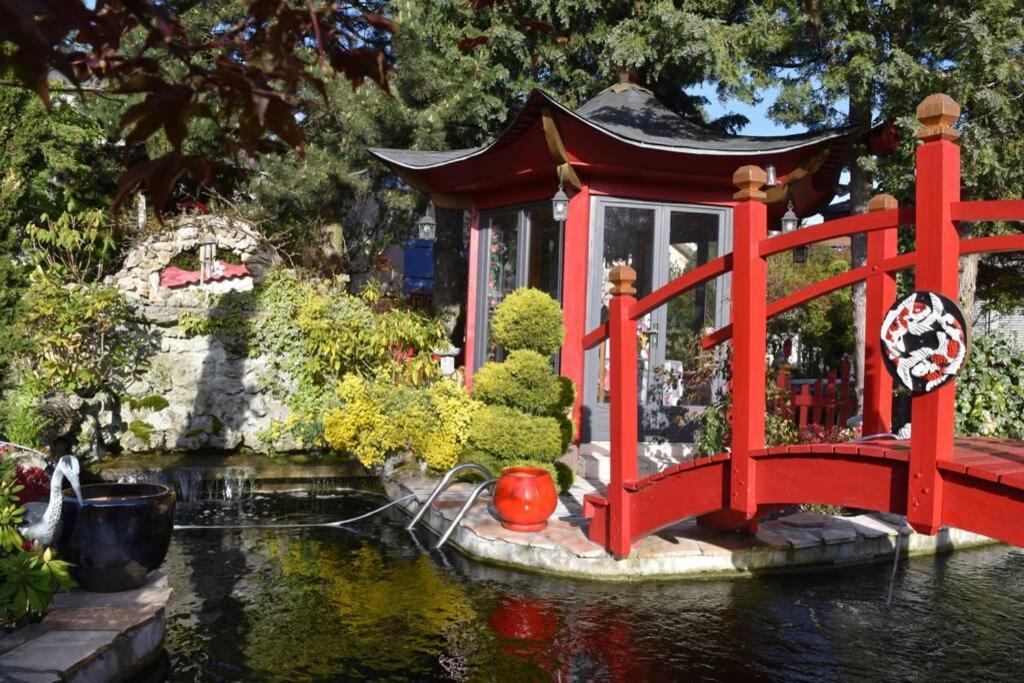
(194, 484)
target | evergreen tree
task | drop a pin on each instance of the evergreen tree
(856, 63)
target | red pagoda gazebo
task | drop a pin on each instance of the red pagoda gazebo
(648, 189)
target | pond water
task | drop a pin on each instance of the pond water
(371, 603)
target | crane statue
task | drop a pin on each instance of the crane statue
(42, 523)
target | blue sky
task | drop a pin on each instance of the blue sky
(759, 122)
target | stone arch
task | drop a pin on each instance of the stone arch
(140, 276)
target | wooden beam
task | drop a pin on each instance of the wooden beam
(805, 169)
(449, 200)
(557, 149)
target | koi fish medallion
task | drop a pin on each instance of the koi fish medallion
(925, 341)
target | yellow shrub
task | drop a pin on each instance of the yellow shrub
(363, 427)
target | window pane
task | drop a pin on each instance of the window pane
(693, 241)
(628, 240)
(545, 252)
(503, 231)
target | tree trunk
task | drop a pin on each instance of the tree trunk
(450, 272)
(968, 277)
(860, 193)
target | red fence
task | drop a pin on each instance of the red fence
(828, 402)
(935, 263)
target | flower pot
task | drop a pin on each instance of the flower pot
(524, 498)
(119, 534)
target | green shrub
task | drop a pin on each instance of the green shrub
(507, 435)
(30, 577)
(80, 335)
(568, 430)
(316, 333)
(990, 389)
(21, 420)
(380, 418)
(528, 319)
(566, 393)
(524, 381)
(564, 477)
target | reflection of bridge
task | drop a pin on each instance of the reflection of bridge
(935, 479)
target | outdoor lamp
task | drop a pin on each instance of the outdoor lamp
(426, 226)
(790, 222)
(800, 254)
(771, 180)
(560, 202)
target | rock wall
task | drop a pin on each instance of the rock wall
(213, 397)
(195, 393)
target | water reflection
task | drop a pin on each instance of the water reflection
(367, 603)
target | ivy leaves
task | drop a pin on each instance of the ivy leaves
(990, 389)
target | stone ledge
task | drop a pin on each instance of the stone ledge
(683, 550)
(90, 636)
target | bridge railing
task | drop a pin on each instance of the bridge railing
(935, 262)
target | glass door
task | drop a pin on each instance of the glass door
(519, 247)
(660, 242)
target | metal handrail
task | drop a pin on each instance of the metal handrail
(462, 513)
(442, 485)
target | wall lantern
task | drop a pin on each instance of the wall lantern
(771, 180)
(560, 202)
(790, 222)
(426, 226)
(800, 254)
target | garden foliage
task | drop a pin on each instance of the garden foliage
(30, 574)
(528, 319)
(990, 389)
(525, 419)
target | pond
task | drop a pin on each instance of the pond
(371, 603)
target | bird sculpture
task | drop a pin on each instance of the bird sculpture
(42, 524)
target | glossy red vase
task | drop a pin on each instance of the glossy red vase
(525, 497)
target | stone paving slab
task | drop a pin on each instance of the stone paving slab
(92, 637)
(681, 550)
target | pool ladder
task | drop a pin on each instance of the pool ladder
(439, 489)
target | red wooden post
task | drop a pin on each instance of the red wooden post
(880, 294)
(575, 251)
(749, 320)
(936, 269)
(623, 406)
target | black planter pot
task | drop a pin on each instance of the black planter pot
(118, 536)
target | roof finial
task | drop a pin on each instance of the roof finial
(627, 81)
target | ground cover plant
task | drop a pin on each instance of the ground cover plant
(30, 574)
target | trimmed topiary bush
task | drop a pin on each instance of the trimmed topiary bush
(528, 319)
(524, 381)
(507, 435)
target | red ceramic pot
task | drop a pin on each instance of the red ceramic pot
(525, 497)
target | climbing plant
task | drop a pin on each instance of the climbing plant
(990, 389)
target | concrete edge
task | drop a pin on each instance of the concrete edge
(746, 563)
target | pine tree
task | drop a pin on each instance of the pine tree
(857, 63)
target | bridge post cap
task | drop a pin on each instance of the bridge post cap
(881, 202)
(937, 113)
(622, 279)
(750, 179)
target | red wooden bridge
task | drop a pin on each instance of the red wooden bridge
(935, 479)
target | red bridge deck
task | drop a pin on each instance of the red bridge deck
(983, 485)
